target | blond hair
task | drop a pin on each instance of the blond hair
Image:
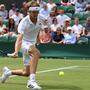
(34, 4)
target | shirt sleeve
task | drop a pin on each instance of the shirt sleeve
(21, 27)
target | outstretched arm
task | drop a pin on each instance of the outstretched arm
(18, 43)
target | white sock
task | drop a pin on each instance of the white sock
(32, 77)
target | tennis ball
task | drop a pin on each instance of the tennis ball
(61, 73)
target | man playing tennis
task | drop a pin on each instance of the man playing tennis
(28, 30)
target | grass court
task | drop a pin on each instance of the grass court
(77, 74)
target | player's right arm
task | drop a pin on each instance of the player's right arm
(20, 36)
(19, 40)
(21, 29)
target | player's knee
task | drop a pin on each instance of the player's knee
(26, 74)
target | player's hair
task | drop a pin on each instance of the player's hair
(34, 4)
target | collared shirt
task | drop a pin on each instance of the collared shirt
(29, 30)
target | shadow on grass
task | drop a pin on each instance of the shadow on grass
(58, 87)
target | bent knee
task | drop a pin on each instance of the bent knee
(26, 74)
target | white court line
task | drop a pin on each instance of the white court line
(84, 66)
(57, 69)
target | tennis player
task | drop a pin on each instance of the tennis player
(28, 30)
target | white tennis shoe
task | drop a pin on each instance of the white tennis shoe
(33, 85)
(5, 75)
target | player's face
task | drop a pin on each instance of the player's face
(34, 13)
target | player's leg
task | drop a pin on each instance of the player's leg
(33, 67)
(23, 72)
(34, 60)
(20, 72)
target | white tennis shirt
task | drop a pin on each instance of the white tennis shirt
(29, 30)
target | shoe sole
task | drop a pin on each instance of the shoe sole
(33, 88)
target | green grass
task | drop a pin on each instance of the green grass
(74, 79)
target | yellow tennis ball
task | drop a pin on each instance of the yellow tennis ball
(61, 73)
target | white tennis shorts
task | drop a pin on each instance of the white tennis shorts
(26, 56)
